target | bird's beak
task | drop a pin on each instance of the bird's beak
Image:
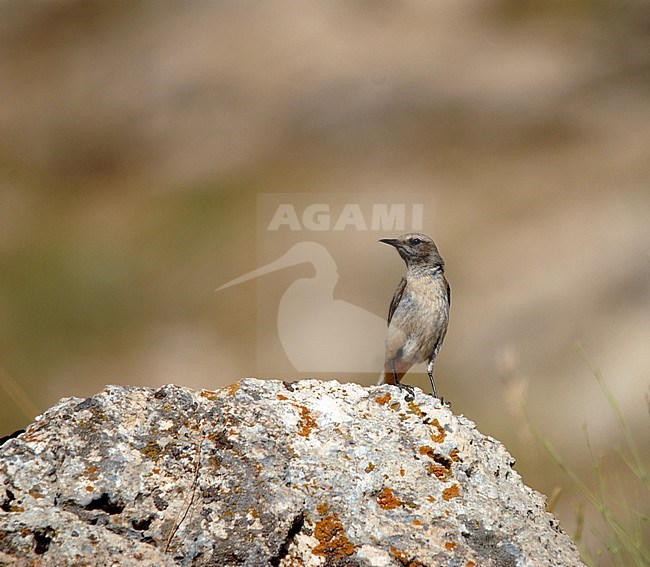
(390, 241)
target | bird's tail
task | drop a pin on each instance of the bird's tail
(387, 377)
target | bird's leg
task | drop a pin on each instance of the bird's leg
(433, 384)
(410, 395)
(430, 373)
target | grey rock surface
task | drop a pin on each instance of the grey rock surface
(267, 473)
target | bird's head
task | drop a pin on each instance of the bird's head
(416, 249)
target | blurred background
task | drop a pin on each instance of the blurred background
(135, 138)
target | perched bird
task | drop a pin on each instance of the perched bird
(419, 312)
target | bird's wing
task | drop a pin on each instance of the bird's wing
(397, 297)
(448, 293)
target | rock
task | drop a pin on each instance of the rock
(267, 473)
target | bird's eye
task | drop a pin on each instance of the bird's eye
(416, 241)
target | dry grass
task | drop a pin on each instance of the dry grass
(621, 532)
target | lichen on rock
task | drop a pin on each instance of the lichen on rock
(267, 473)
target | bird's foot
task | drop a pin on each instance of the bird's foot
(445, 404)
(410, 391)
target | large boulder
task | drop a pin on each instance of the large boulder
(267, 473)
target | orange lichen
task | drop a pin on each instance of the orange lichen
(439, 471)
(453, 455)
(431, 498)
(92, 473)
(449, 545)
(231, 390)
(415, 409)
(90, 488)
(426, 450)
(439, 435)
(470, 564)
(404, 559)
(451, 492)
(370, 467)
(417, 522)
(307, 423)
(151, 450)
(441, 468)
(387, 500)
(281, 397)
(208, 394)
(333, 542)
(383, 400)
(401, 472)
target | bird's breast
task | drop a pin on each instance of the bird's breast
(420, 319)
(427, 297)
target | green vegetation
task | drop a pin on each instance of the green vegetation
(620, 503)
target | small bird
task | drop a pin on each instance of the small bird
(419, 312)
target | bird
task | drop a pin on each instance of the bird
(419, 311)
